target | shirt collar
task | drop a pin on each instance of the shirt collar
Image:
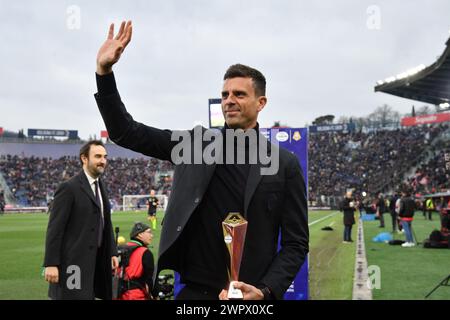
(90, 179)
(246, 146)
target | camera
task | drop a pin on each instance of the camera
(165, 288)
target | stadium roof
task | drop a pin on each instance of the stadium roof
(427, 84)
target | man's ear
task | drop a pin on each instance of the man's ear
(84, 159)
(262, 100)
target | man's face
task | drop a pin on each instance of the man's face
(146, 237)
(96, 163)
(240, 105)
(152, 192)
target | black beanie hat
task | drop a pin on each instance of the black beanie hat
(138, 228)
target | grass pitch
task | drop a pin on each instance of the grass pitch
(22, 251)
(331, 262)
(406, 273)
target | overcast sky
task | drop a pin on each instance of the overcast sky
(319, 57)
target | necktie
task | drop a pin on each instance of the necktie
(101, 222)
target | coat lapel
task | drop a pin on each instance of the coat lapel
(209, 169)
(105, 199)
(254, 176)
(86, 187)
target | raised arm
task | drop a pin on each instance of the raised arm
(121, 126)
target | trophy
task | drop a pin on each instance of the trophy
(234, 230)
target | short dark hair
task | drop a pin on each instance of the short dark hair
(84, 151)
(240, 70)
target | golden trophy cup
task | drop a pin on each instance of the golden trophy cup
(234, 230)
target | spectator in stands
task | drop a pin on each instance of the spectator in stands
(432, 176)
(80, 250)
(32, 180)
(348, 207)
(407, 207)
(192, 236)
(368, 161)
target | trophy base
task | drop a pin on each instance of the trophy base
(233, 293)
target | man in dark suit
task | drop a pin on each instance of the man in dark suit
(80, 251)
(203, 193)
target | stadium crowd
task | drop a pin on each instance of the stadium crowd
(337, 161)
(364, 161)
(33, 180)
(433, 175)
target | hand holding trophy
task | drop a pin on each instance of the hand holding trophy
(234, 230)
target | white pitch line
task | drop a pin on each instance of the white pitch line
(321, 219)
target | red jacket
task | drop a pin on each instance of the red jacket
(134, 271)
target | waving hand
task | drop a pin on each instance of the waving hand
(113, 47)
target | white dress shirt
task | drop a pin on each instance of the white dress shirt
(91, 183)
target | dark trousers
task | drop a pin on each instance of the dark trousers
(194, 292)
(394, 221)
(347, 232)
(381, 220)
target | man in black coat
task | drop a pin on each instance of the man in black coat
(381, 209)
(80, 251)
(271, 198)
(348, 207)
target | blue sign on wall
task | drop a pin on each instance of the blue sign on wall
(71, 134)
(296, 141)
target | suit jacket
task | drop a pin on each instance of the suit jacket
(272, 203)
(72, 241)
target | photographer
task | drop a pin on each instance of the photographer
(139, 271)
